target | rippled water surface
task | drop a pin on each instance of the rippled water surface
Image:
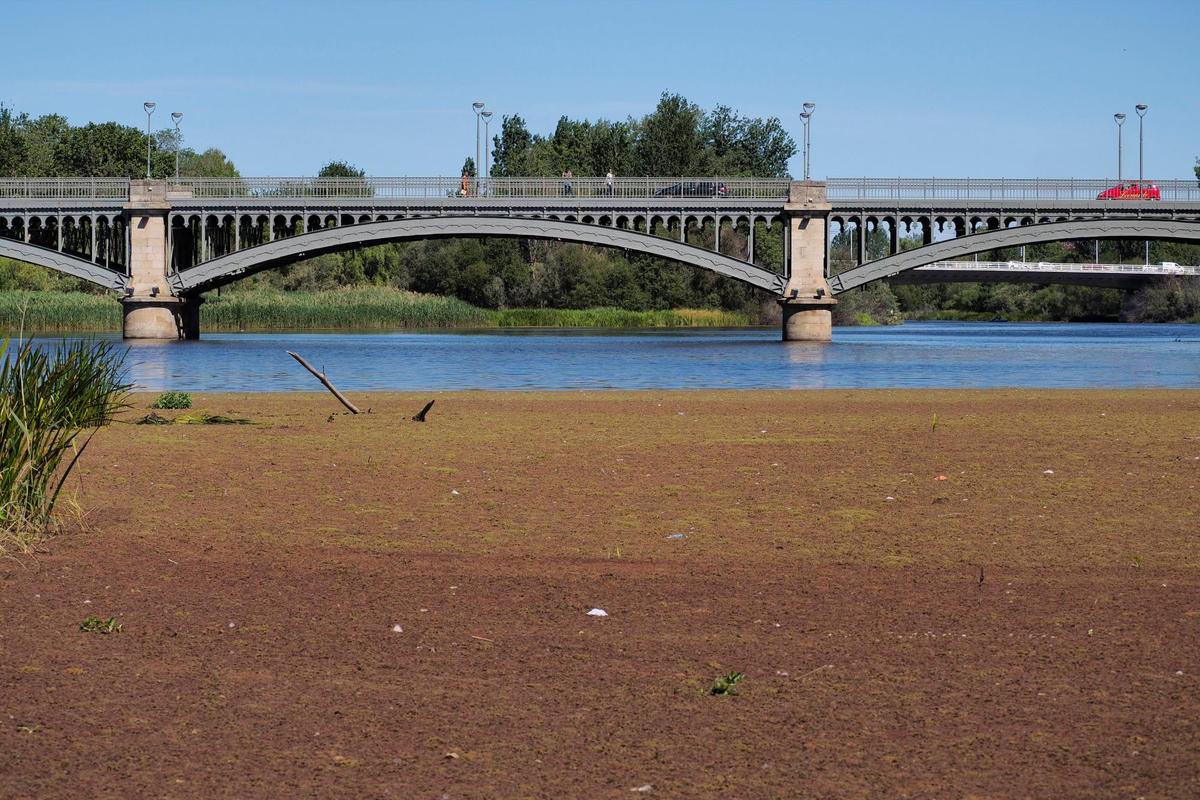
(916, 354)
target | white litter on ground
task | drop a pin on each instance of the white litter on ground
(597, 612)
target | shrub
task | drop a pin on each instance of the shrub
(47, 398)
(173, 400)
(98, 625)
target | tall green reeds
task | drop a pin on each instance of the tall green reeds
(618, 318)
(59, 312)
(357, 308)
(48, 397)
(347, 309)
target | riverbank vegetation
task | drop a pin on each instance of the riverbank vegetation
(352, 308)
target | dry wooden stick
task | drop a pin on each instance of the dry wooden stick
(321, 377)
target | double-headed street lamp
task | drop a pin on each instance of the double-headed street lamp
(149, 106)
(1120, 120)
(177, 116)
(806, 117)
(1141, 109)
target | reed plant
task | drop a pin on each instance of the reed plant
(59, 312)
(52, 402)
(619, 318)
(358, 308)
(347, 309)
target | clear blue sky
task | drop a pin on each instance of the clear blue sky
(955, 88)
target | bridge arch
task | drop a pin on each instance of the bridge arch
(1179, 230)
(236, 265)
(63, 262)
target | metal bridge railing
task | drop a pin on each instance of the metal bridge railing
(932, 190)
(926, 191)
(1046, 266)
(64, 188)
(486, 188)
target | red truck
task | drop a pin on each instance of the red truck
(1131, 191)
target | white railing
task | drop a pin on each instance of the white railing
(64, 188)
(621, 188)
(1046, 266)
(932, 190)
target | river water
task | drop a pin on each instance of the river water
(916, 354)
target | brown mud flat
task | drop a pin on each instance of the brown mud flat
(258, 571)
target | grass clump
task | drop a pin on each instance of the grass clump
(48, 397)
(97, 625)
(209, 419)
(173, 400)
(725, 685)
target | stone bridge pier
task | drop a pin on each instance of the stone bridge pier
(151, 311)
(807, 302)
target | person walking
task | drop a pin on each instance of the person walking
(567, 176)
(608, 183)
(466, 183)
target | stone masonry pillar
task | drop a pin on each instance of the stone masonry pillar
(151, 310)
(807, 300)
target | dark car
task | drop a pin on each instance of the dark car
(693, 189)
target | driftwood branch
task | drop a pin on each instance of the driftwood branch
(420, 417)
(321, 377)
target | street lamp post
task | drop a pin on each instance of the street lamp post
(177, 116)
(487, 138)
(1141, 109)
(478, 106)
(1120, 120)
(806, 115)
(149, 110)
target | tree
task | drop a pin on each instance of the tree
(1197, 169)
(510, 147)
(340, 169)
(12, 143)
(212, 163)
(669, 140)
(469, 167)
(41, 137)
(107, 149)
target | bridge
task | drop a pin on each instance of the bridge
(160, 244)
(1112, 276)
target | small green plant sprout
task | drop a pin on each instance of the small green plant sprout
(173, 400)
(724, 686)
(933, 425)
(1137, 562)
(153, 419)
(97, 625)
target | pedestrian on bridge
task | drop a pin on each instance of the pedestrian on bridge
(568, 189)
(608, 183)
